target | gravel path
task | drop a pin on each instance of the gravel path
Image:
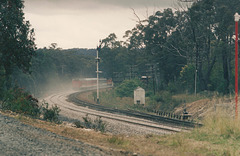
(17, 138)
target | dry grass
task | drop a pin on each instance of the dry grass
(145, 145)
(220, 135)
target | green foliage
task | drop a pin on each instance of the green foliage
(50, 114)
(113, 56)
(78, 124)
(218, 83)
(175, 87)
(177, 44)
(99, 125)
(17, 100)
(17, 45)
(96, 124)
(127, 87)
(163, 101)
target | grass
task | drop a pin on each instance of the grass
(117, 140)
(188, 98)
(219, 136)
(108, 98)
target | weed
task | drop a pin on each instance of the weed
(116, 140)
(50, 114)
(177, 141)
(87, 122)
(78, 124)
(97, 124)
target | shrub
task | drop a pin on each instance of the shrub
(97, 124)
(50, 114)
(78, 124)
(17, 100)
(127, 87)
(87, 122)
(163, 101)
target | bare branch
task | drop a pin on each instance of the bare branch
(139, 20)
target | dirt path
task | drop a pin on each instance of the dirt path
(17, 138)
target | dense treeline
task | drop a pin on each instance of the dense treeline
(175, 49)
(17, 45)
(36, 70)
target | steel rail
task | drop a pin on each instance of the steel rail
(107, 116)
(164, 120)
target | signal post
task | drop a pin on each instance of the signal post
(98, 61)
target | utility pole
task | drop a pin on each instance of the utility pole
(151, 71)
(237, 17)
(98, 61)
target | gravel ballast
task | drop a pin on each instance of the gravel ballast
(17, 138)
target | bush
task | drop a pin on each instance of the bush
(50, 114)
(163, 101)
(164, 97)
(17, 100)
(78, 124)
(97, 124)
(127, 87)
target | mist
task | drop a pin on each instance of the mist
(54, 69)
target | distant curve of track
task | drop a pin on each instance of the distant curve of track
(159, 119)
(72, 110)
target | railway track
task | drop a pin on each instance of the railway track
(155, 118)
(73, 110)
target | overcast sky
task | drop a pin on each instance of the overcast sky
(81, 23)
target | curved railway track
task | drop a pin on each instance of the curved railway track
(159, 119)
(71, 107)
(72, 111)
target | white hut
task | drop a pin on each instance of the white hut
(139, 96)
